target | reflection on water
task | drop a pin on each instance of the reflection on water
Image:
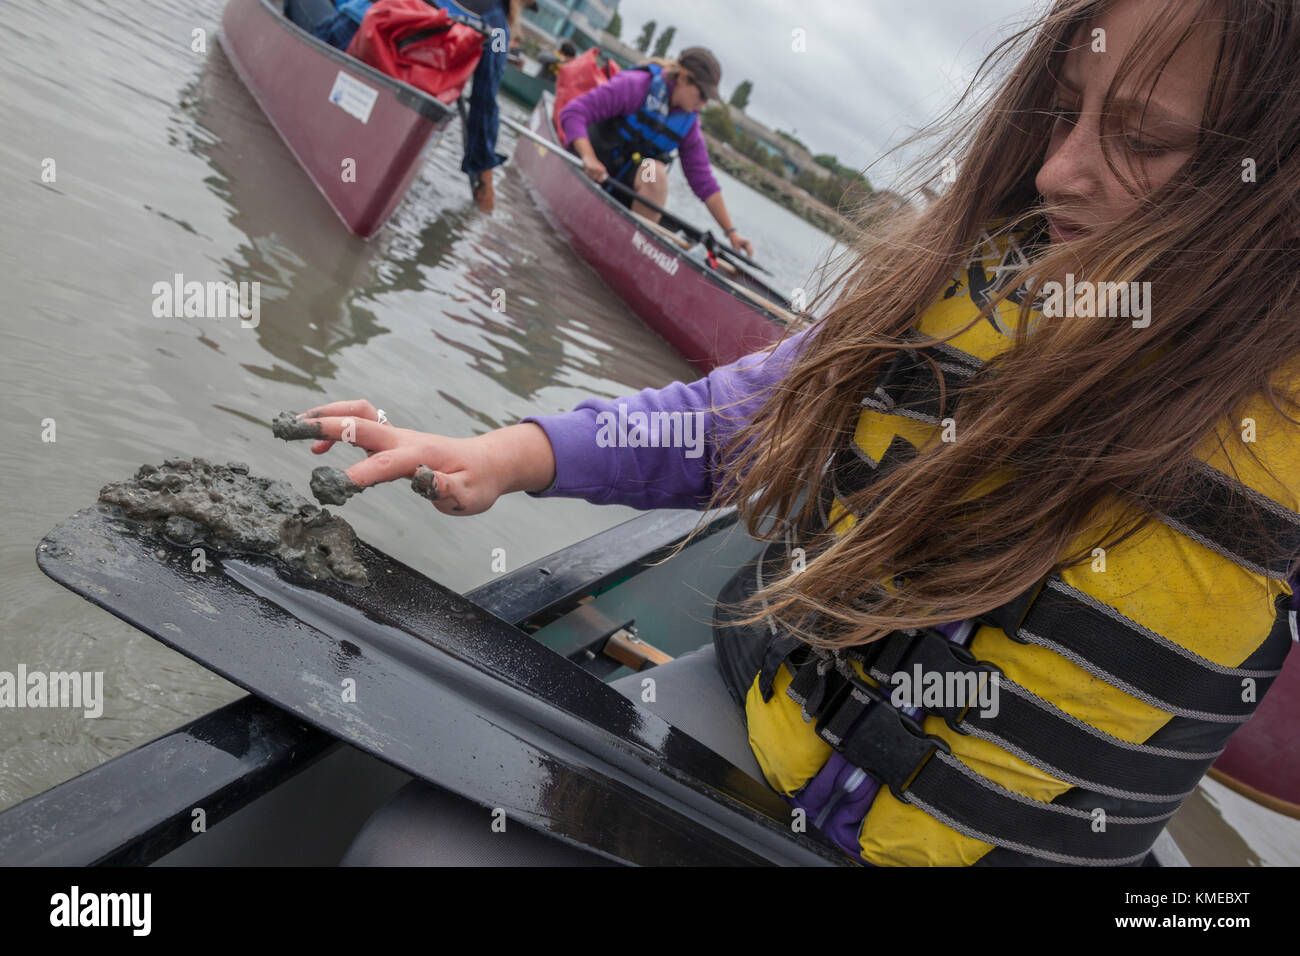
(165, 165)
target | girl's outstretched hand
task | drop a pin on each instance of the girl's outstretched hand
(467, 474)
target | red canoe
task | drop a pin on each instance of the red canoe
(709, 318)
(1262, 760)
(331, 109)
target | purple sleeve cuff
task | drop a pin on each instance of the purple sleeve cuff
(659, 448)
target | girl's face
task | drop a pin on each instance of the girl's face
(687, 95)
(1151, 147)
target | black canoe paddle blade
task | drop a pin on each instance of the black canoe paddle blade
(430, 682)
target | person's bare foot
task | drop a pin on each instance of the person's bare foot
(484, 195)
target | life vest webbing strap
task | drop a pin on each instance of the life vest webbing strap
(1153, 668)
(852, 470)
(908, 386)
(951, 793)
(1225, 516)
(1009, 616)
(778, 649)
(1033, 729)
(658, 125)
(861, 724)
(636, 147)
(809, 685)
(1215, 510)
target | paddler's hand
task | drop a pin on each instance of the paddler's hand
(465, 476)
(740, 243)
(595, 169)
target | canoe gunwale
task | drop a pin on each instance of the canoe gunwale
(430, 107)
(699, 269)
(285, 71)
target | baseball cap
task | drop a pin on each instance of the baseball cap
(703, 65)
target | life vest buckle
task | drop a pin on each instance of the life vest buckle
(985, 670)
(917, 654)
(1010, 616)
(862, 724)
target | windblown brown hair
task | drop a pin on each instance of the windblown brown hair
(1093, 422)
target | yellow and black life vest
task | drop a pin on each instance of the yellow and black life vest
(1118, 688)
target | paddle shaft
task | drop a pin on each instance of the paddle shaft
(698, 235)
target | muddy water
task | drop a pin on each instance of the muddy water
(163, 165)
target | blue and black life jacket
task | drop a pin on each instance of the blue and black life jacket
(652, 132)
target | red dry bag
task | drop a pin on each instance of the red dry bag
(577, 77)
(418, 44)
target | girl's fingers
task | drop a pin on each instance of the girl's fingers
(351, 408)
(448, 492)
(387, 465)
(356, 408)
(361, 432)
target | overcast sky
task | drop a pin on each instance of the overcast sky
(873, 69)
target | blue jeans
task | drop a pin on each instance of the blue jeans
(484, 120)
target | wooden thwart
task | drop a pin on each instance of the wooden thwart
(629, 650)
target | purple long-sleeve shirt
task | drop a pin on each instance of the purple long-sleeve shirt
(595, 457)
(622, 96)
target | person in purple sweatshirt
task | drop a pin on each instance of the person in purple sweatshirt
(631, 127)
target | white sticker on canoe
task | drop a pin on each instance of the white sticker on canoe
(663, 260)
(353, 96)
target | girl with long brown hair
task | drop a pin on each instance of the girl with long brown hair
(1030, 487)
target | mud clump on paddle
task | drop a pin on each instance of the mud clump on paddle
(232, 511)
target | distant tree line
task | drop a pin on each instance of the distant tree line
(794, 139)
(716, 121)
(843, 183)
(647, 36)
(740, 97)
(665, 40)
